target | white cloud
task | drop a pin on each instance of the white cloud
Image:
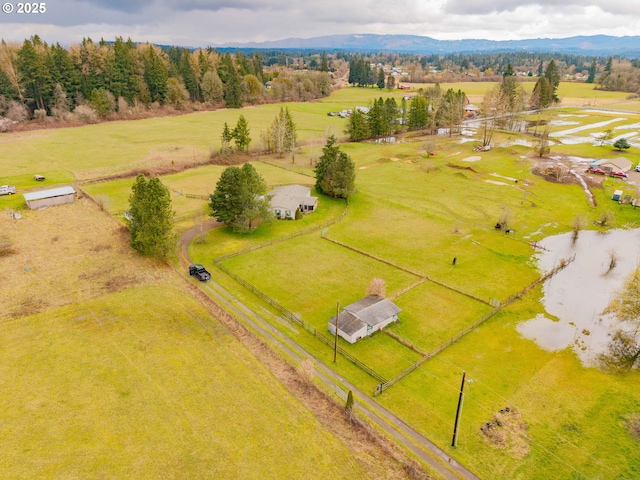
(206, 22)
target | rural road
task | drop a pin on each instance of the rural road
(394, 426)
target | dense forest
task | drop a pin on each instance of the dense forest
(91, 80)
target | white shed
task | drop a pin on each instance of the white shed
(48, 198)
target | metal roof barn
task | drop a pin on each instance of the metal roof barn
(49, 198)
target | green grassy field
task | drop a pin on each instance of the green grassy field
(411, 210)
(98, 389)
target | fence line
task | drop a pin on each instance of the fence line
(308, 327)
(383, 386)
(404, 269)
(222, 258)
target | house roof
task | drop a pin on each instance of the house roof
(54, 192)
(348, 322)
(291, 197)
(621, 163)
(373, 309)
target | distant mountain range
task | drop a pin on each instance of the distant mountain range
(601, 45)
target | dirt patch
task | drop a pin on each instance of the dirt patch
(460, 167)
(66, 254)
(507, 431)
(473, 158)
(633, 425)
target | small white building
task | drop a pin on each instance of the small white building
(364, 317)
(286, 200)
(49, 198)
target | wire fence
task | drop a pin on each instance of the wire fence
(282, 239)
(383, 386)
(299, 321)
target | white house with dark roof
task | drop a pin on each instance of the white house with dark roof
(286, 200)
(362, 318)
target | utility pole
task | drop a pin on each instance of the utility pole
(335, 345)
(454, 441)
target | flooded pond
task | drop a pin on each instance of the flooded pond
(578, 295)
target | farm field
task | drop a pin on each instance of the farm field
(111, 368)
(412, 215)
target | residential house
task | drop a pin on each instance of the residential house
(616, 165)
(286, 200)
(362, 318)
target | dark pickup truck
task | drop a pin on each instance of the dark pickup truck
(199, 272)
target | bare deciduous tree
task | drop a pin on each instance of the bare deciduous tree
(377, 287)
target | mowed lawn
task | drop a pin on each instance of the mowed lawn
(144, 383)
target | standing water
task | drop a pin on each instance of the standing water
(580, 293)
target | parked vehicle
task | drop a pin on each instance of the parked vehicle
(637, 169)
(618, 174)
(7, 190)
(596, 170)
(199, 272)
(38, 178)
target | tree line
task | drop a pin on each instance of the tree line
(430, 108)
(41, 80)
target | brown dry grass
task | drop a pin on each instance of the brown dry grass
(380, 457)
(65, 254)
(159, 162)
(507, 431)
(633, 425)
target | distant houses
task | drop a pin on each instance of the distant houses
(362, 318)
(286, 200)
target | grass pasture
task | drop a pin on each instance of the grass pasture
(411, 210)
(145, 383)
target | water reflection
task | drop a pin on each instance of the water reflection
(578, 294)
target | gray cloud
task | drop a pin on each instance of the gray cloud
(208, 22)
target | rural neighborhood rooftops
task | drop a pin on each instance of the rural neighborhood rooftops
(54, 192)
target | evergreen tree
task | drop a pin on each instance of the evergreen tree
(238, 200)
(324, 62)
(418, 113)
(240, 134)
(225, 138)
(233, 90)
(541, 96)
(380, 78)
(509, 71)
(335, 172)
(151, 219)
(155, 75)
(609, 67)
(553, 76)
(391, 114)
(36, 71)
(592, 71)
(188, 75)
(540, 69)
(357, 127)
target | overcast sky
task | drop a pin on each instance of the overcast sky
(209, 22)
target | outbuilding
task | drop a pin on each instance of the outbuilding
(615, 165)
(49, 198)
(362, 318)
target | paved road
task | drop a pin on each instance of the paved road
(410, 438)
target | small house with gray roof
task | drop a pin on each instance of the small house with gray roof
(286, 200)
(364, 317)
